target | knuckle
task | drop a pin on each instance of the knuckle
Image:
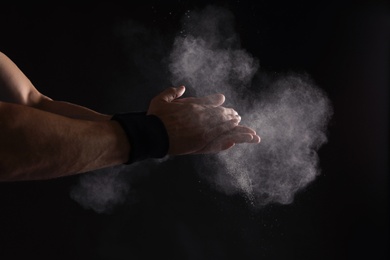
(233, 111)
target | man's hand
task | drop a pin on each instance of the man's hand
(199, 125)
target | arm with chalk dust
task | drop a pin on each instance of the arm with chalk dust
(42, 139)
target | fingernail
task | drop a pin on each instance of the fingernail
(256, 139)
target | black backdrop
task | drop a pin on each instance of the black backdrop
(72, 52)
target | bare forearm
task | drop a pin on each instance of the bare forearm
(70, 110)
(35, 144)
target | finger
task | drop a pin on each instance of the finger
(244, 129)
(211, 100)
(215, 100)
(170, 94)
(238, 138)
(223, 114)
(225, 110)
(256, 139)
(226, 141)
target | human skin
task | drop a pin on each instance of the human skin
(41, 138)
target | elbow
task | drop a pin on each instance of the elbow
(36, 99)
(29, 95)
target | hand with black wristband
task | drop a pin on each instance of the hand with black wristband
(177, 126)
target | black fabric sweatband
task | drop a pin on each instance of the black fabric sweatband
(147, 135)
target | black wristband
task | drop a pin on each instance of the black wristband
(146, 133)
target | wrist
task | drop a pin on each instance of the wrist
(146, 135)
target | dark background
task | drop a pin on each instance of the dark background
(74, 52)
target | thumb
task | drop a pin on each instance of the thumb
(171, 94)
